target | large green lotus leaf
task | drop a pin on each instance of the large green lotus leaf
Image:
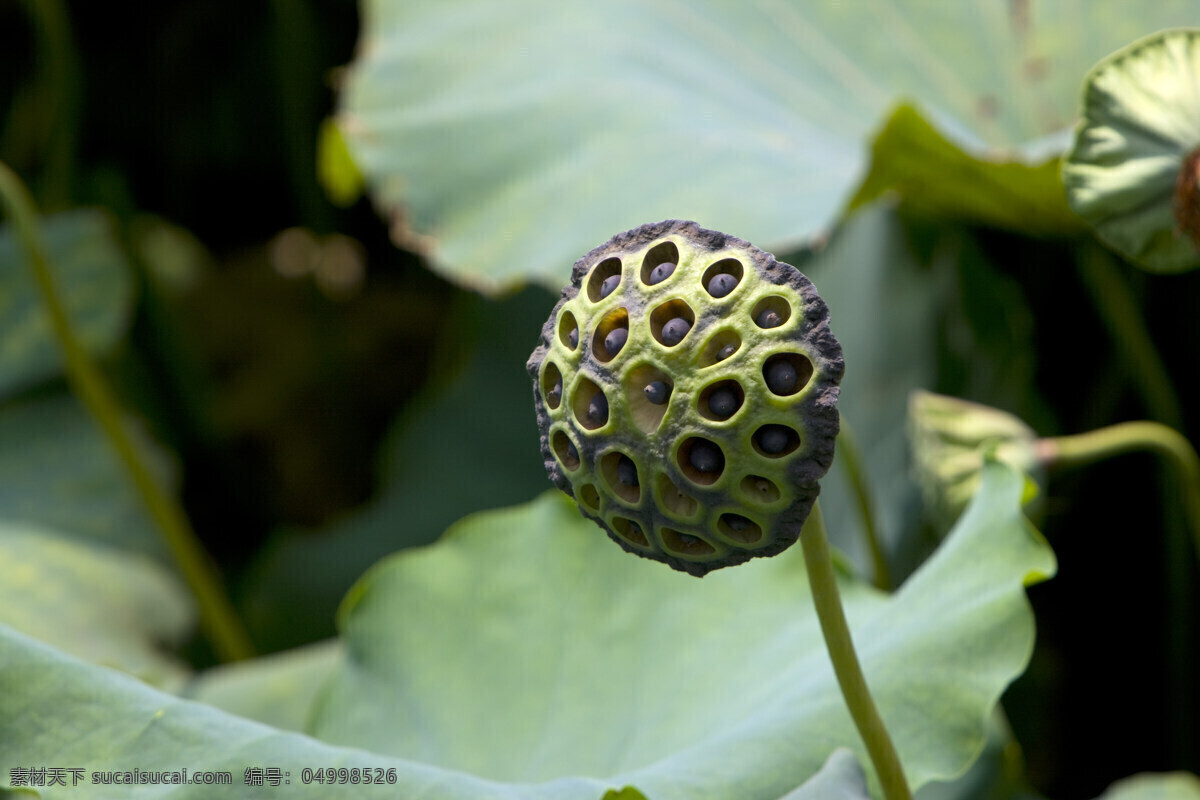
(58, 470)
(58, 711)
(96, 288)
(278, 689)
(1148, 786)
(469, 443)
(840, 779)
(936, 177)
(501, 137)
(108, 606)
(525, 647)
(1141, 117)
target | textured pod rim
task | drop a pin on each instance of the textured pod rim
(818, 407)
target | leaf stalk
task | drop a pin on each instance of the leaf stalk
(218, 618)
(827, 599)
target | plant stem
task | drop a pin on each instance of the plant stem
(1085, 448)
(1111, 295)
(851, 459)
(217, 616)
(828, 602)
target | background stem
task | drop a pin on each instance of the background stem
(217, 616)
(1086, 448)
(1180, 488)
(850, 457)
(827, 599)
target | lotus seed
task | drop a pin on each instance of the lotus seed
(661, 272)
(687, 539)
(768, 319)
(723, 402)
(573, 338)
(555, 393)
(726, 351)
(572, 453)
(627, 472)
(736, 523)
(721, 284)
(706, 457)
(674, 331)
(609, 284)
(615, 340)
(657, 392)
(781, 376)
(597, 412)
(773, 439)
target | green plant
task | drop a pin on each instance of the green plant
(1006, 296)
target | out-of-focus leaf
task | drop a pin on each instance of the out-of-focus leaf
(58, 471)
(470, 443)
(951, 438)
(277, 690)
(1141, 118)
(96, 288)
(102, 721)
(840, 779)
(336, 170)
(501, 137)
(524, 646)
(1148, 786)
(110, 607)
(938, 178)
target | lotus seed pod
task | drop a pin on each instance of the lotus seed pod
(697, 435)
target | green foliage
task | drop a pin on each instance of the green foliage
(747, 118)
(938, 179)
(98, 297)
(1140, 122)
(443, 636)
(491, 642)
(58, 472)
(98, 603)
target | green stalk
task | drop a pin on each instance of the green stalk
(851, 459)
(823, 582)
(1110, 293)
(217, 616)
(1085, 448)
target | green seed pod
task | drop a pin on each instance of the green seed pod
(699, 441)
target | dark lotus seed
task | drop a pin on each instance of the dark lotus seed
(615, 340)
(657, 392)
(726, 351)
(721, 284)
(609, 284)
(687, 539)
(674, 331)
(773, 439)
(627, 472)
(573, 338)
(723, 402)
(736, 523)
(768, 319)
(572, 453)
(781, 377)
(706, 457)
(555, 393)
(661, 272)
(597, 412)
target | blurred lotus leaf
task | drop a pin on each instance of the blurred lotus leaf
(950, 440)
(1128, 173)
